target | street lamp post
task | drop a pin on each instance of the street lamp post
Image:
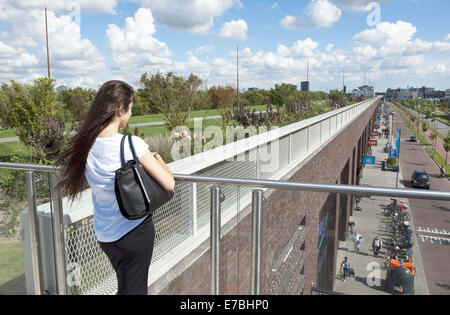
(435, 135)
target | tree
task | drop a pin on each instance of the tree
(76, 102)
(223, 98)
(172, 95)
(140, 106)
(424, 126)
(32, 113)
(447, 148)
(30, 105)
(5, 105)
(337, 98)
(281, 94)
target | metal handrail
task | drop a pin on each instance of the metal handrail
(258, 183)
(30, 167)
(315, 187)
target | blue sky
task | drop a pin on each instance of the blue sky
(111, 39)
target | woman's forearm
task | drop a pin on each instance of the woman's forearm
(161, 161)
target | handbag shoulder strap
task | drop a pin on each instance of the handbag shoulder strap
(122, 151)
(132, 147)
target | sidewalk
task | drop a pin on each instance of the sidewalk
(370, 273)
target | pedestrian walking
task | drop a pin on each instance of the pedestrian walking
(358, 240)
(93, 157)
(377, 244)
(345, 268)
(357, 201)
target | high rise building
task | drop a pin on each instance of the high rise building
(305, 86)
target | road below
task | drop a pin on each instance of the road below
(431, 218)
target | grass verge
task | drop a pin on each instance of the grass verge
(11, 260)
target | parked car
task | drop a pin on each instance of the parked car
(413, 139)
(420, 179)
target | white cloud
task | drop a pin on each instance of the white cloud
(357, 5)
(305, 48)
(395, 39)
(234, 30)
(16, 62)
(273, 6)
(386, 34)
(192, 65)
(71, 56)
(318, 14)
(204, 50)
(65, 6)
(134, 49)
(191, 16)
(329, 47)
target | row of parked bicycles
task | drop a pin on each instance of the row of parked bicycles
(399, 244)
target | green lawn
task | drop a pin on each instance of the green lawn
(11, 261)
(7, 133)
(443, 118)
(9, 149)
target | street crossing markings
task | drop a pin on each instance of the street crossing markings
(433, 231)
(435, 240)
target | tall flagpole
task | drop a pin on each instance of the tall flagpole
(46, 38)
(237, 62)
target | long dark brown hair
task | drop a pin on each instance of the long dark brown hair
(108, 100)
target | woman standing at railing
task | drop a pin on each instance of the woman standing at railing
(93, 158)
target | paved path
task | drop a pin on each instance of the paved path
(370, 222)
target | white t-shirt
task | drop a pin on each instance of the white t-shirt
(103, 161)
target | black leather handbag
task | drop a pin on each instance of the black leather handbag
(138, 193)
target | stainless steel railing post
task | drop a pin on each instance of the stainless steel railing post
(33, 223)
(257, 206)
(58, 238)
(216, 199)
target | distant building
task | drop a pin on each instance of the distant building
(253, 89)
(364, 91)
(61, 88)
(408, 93)
(430, 93)
(447, 94)
(305, 86)
(424, 91)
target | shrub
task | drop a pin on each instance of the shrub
(172, 95)
(392, 162)
(47, 144)
(162, 145)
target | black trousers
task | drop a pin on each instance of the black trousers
(131, 256)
